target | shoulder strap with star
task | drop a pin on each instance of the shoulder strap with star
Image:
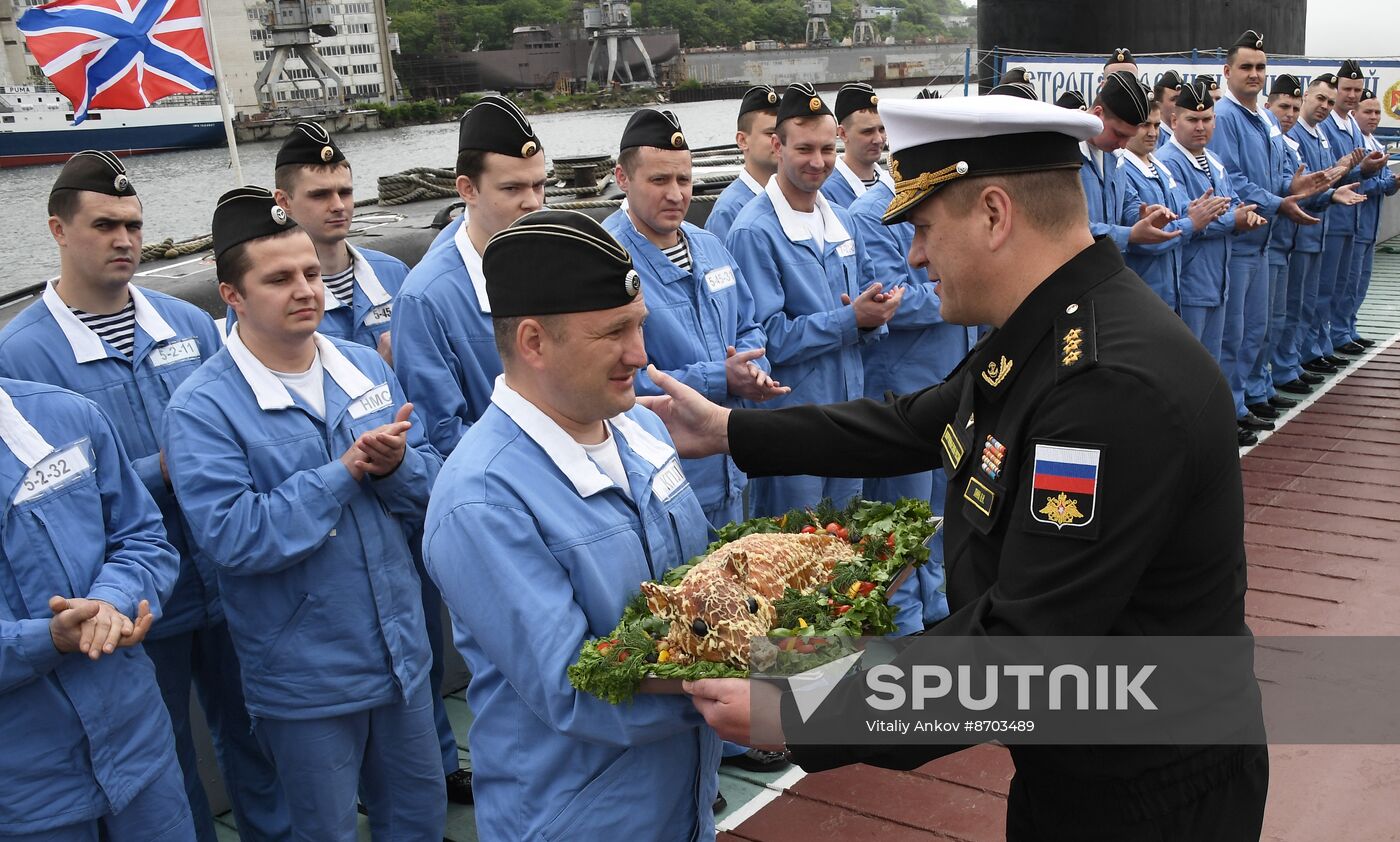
(1075, 342)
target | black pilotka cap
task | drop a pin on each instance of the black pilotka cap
(1328, 78)
(1209, 80)
(1367, 94)
(1250, 39)
(758, 98)
(651, 127)
(1073, 100)
(1024, 90)
(309, 143)
(1286, 85)
(247, 213)
(1126, 96)
(557, 261)
(1170, 80)
(1194, 97)
(495, 125)
(1122, 55)
(800, 100)
(1014, 75)
(1350, 70)
(97, 172)
(854, 97)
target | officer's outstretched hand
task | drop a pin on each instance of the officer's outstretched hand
(90, 626)
(383, 447)
(741, 711)
(697, 426)
(748, 381)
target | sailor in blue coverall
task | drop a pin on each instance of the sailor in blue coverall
(1332, 326)
(700, 324)
(919, 351)
(1294, 249)
(562, 499)
(303, 473)
(127, 350)
(1205, 259)
(315, 187)
(444, 352)
(758, 117)
(804, 267)
(1382, 184)
(84, 566)
(1122, 106)
(1244, 140)
(859, 127)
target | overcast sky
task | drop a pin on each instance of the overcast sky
(1368, 28)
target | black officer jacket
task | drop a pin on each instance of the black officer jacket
(1094, 366)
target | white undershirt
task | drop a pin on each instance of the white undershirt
(308, 385)
(815, 224)
(609, 461)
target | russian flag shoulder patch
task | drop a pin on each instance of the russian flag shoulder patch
(1064, 485)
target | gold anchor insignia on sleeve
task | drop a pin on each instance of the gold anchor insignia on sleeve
(1070, 352)
(996, 373)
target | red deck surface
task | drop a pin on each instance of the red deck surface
(1323, 537)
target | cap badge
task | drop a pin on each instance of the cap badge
(327, 154)
(1200, 106)
(121, 182)
(632, 283)
(961, 167)
(772, 97)
(996, 373)
(874, 100)
(529, 148)
(1118, 56)
(815, 104)
(677, 140)
(279, 216)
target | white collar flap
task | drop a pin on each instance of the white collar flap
(793, 226)
(750, 182)
(852, 180)
(471, 258)
(568, 455)
(366, 280)
(25, 442)
(87, 345)
(270, 392)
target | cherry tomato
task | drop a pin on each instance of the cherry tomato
(889, 542)
(842, 609)
(833, 527)
(809, 529)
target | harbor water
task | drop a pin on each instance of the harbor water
(178, 189)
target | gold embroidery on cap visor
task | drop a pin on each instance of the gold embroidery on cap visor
(909, 192)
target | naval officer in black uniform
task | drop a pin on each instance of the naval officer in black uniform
(1085, 367)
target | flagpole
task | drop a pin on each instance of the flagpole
(224, 104)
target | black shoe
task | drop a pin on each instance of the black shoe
(1319, 366)
(1296, 387)
(758, 760)
(1280, 402)
(1311, 379)
(1364, 342)
(1246, 437)
(1351, 348)
(1262, 410)
(1250, 421)
(720, 803)
(459, 787)
(1339, 362)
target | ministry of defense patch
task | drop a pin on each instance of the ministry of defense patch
(1064, 485)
